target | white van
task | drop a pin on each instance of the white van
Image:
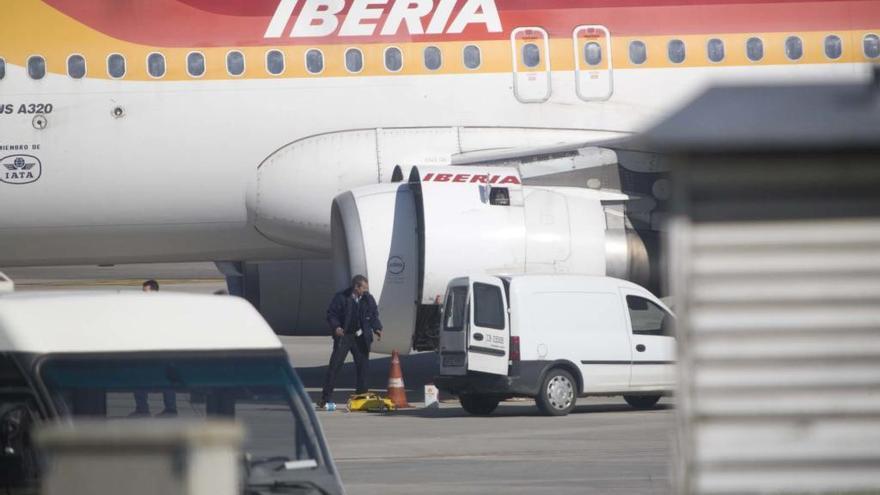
(130, 355)
(554, 338)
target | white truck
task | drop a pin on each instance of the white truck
(123, 356)
(554, 338)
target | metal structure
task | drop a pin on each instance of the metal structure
(774, 257)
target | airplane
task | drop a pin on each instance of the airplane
(222, 130)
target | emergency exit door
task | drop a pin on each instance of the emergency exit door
(531, 64)
(592, 62)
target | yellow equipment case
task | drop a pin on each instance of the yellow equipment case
(370, 402)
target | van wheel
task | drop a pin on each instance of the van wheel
(558, 393)
(479, 405)
(641, 401)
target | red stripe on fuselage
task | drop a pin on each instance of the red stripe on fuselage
(204, 23)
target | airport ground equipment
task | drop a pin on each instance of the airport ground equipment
(410, 237)
(432, 396)
(144, 456)
(554, 338)
(396, 387)
(66, 355)
(774, 244)
(370, 402)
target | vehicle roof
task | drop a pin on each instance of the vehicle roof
(85, 322)
(591, 282)
(555, 280)
(598, 281)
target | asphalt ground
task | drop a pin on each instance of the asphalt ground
(603, 447)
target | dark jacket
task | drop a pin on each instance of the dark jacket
(341, 309)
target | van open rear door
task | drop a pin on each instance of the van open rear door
(488, 339)
(453, 333)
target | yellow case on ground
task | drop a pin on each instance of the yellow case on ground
(370, 402)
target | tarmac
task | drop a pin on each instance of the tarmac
(603, 447)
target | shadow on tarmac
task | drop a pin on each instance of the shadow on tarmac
(519, 411)
(420, 370)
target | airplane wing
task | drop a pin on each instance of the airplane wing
(28, 166)
(628, 152)
(9, 166)
(624, 166)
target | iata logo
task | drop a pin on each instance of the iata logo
(20, 169)
(472, 178)
(396, 266)
(363, 17)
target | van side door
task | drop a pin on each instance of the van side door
(653, 364)
(489, 330)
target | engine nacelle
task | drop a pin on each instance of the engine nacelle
(410, 238)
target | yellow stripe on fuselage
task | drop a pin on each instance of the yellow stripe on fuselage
(33, 28)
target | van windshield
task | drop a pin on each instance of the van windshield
(260, 392)
(454, 311)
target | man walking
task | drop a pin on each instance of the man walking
(353, 318)
(142, 407)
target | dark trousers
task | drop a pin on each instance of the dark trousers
(360, 351)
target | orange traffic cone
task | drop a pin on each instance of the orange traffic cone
(396, 390)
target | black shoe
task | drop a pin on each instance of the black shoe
(139, 414)
(320, 404)
(167, 413)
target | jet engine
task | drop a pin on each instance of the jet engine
(411, 237)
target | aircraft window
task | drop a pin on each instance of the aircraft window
(156, 64)
(715, 50)
(794, 48)
(314, 61)
(531, 55)
(274, 62)
(354, 60)
(235, 63)
(36, 67)
(393, 59)
(433, 57)
(871, 45)
(676, 51)
(593, 53)
(755, 49)
(195, 64)
(833, 47)
(638, 52)
(76, 66)
(116, 65)
(471, 56)
(2, 68)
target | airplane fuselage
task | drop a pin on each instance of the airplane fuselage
(145, 122)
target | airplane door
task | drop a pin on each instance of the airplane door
(592, 62)
(531, 64)
(489, 329)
